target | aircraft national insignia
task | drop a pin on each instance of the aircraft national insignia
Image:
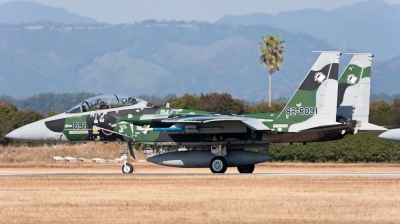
(352, 79)
(319, 77)
(106, 132)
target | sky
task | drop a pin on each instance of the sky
(130, 11)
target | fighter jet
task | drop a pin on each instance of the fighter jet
(217, 141)
(392, 135)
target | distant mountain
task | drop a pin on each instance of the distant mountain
(386, 76)
(383, 96)
(369, 26)
(157, 58)
(16, 12)
(46, 102)
(154, 58)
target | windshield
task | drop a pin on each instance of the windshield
(106, 102)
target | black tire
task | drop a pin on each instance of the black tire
(218, 165)
(246, 169)
(131, 166)
(128, 168)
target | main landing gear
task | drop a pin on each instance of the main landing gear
(246, 169)
(218, 164)
(127, 167)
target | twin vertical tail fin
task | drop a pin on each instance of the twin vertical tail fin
(354, 92)
(314, 102)
(354, 89)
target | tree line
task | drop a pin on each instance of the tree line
(223, 103)
(385, 114)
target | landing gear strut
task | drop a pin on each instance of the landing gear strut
(127, 167)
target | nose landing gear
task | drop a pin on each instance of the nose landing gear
(127, 167)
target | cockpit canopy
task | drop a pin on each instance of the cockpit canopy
(107, 102)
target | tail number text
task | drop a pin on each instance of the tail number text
(293, 111)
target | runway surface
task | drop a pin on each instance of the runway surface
(371, 175)
(354, 194)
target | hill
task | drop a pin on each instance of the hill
(154, 58)
(369, 26)
(386, 76)
(157, 58)
(16, 12)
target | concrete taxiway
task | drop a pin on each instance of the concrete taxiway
(327, 175)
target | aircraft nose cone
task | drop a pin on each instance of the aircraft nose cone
(33, 132)
(393, 135)
(16, 134)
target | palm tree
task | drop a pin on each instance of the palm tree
(271, 57)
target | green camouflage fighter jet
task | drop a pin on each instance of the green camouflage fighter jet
(309, 116)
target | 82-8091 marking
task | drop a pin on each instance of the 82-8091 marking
(293, 111)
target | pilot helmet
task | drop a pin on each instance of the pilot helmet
(124, 101)
(131, 99)
(100, 102)
(93, 103)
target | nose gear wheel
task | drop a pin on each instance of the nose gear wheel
(127, 168)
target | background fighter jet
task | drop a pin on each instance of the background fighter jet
(392, 135)
(218, 141)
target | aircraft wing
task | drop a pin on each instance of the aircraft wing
(339, 126)
(252, 123)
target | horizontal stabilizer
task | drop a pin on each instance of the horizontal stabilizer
(365, 126)
(315, 123)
